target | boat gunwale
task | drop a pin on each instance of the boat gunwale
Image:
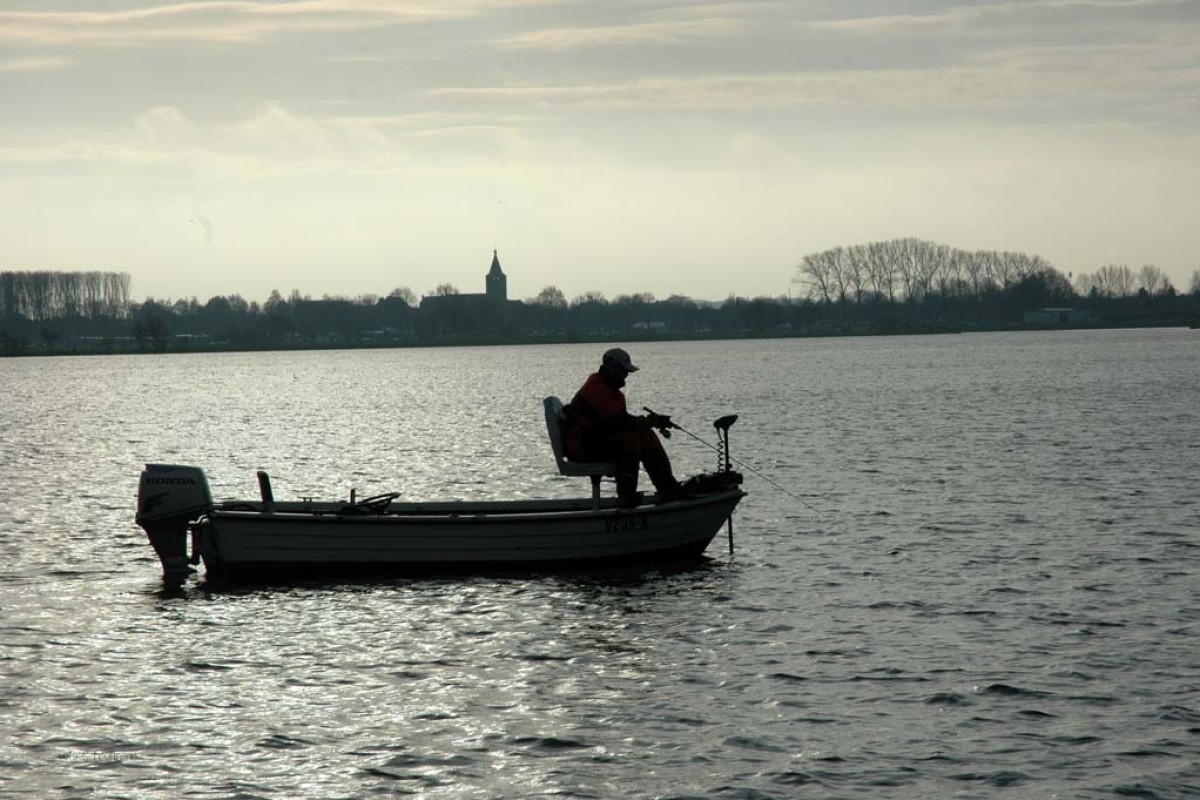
(456, 513)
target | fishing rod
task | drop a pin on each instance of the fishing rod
(725, 452)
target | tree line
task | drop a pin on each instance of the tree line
(899, 286)
(43, 295)
(912, 269)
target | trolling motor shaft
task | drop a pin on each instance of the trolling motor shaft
(722, 425)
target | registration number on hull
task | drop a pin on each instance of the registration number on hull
(618, 523)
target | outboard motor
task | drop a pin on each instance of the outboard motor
(169, 497)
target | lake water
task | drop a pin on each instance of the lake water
(987, 587)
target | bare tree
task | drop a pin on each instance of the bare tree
(44, 295)
(71, 293)
(814, 273)
(928, 263)
(880, 270)
(404, 293)
(975, 267)
(1194, 286)
(116, 293)
(586, 298)
(1153, 280)
(445, 290)
(1006, 268)
(904, 260)
(912, 268)
(839, 271)
(274, 302)
(635, 299)
(39, 295)
(1022, 265)
(550, 297)
(1114, 280)
(953, 280)
(1085, 283)
(857, 270)
(8, 295)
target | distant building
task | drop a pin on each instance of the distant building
(1058, 316)
(496, 294)
(497, 283)
(493, 299)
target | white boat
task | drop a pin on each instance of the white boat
(246, 538)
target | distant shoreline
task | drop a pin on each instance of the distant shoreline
(89, 313)
(173, 348)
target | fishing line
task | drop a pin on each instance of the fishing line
(748, 468)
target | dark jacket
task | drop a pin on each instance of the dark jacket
(595, 413)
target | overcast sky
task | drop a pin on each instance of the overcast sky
(702, 148)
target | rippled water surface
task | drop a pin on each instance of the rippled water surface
(988, 586)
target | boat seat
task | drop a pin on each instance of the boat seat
(593, 469)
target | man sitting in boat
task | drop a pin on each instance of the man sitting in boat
(599, 427)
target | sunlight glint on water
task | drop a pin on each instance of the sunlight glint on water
(998, 590)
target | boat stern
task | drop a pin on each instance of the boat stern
(170, 496)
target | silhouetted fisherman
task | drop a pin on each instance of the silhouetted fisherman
(599, 427)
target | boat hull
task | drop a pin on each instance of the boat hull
(240, 543)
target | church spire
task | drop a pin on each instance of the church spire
(497, 283)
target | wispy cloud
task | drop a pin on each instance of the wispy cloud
(34, 64)
(166, 124)
(275, 141)
(646, 33)
(227, 20)
(1073, 18)
(732, 92)
(1019, 78)
(98, 153)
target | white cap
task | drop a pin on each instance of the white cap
(620, 358)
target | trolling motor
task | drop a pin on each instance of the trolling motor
(169, 497)
(725, 477)
(722, 425)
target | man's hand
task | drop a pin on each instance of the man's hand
(660, 421)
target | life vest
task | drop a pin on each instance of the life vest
(589, 415)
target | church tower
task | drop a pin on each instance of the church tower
(497, 283)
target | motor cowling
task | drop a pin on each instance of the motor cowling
(169, 497)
